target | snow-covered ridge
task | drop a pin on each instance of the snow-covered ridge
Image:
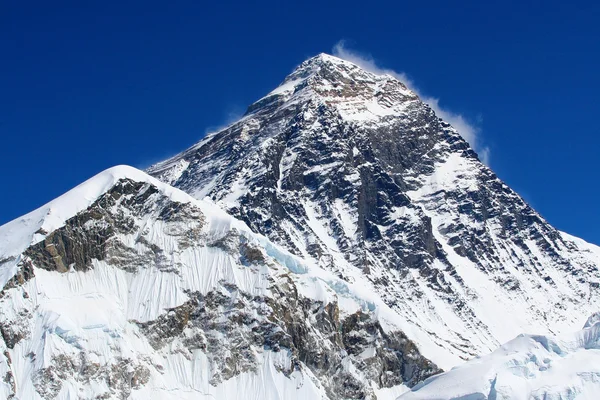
(125, 274)
(17, 235)
(528, 367)
(332, 80)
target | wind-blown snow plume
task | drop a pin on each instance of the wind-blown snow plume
(470, 132)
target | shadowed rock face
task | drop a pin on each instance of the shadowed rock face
(325, 168)
(305, 154)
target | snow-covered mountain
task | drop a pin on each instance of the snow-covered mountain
(353, 171)
(339, 241)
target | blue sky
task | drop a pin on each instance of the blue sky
(85, 86)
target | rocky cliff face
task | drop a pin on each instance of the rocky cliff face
(148, 293)
(355, 172)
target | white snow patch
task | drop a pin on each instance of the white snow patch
(528, 367)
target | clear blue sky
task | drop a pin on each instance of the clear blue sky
(85, 86)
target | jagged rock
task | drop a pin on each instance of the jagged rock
(232, 326)
(94, 233)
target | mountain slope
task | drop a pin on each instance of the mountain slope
(353, 171)
(125, 287)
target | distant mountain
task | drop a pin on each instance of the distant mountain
(339, 241)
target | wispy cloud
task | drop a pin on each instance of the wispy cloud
(234, 114)
(366, 62)
(469, 131)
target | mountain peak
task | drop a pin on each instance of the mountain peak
(31, 228)
(327, 66)
(332, 80)
(339, 241)
(323, 59)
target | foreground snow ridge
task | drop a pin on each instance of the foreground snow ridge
(126, 287)
(528, 367)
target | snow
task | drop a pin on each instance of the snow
(286, 87)
(318, 227)
(371, 110)
(346, 217)
(92, 309)
(17, 235)
(237, 190)
(178, 168)
(502, 313)
(391, 393)
(527, 367)
(191, 381)
(67, 322)
(592, 250)
(322, 168)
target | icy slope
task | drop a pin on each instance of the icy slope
(353, 171)
(127, 287)
(528, 367)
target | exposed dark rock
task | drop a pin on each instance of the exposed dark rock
(9, 377)
(24, 273)
(93, 234)
(313, 332)
(394, 191)
(121, 377)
